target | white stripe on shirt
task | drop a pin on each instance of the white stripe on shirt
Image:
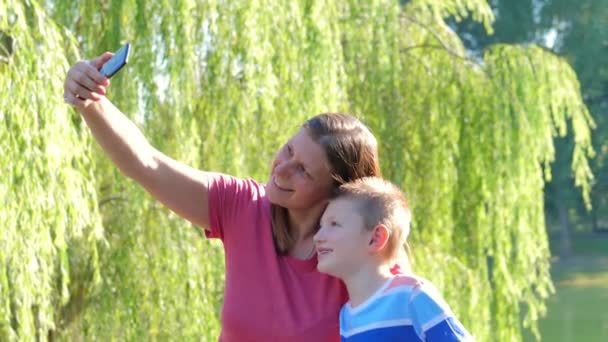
(377, 325)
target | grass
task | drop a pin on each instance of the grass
(578, 311)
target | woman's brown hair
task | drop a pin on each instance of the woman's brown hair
(352, 152)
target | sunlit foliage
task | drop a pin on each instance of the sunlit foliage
(87, 254)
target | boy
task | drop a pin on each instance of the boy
(360, 235)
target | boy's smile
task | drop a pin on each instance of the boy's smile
(323, 251)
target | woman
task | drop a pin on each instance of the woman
(273, 291)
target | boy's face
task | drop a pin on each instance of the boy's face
(342, 241)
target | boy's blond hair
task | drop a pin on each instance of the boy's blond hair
(380, 202)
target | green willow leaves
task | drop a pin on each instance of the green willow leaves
(87, 254)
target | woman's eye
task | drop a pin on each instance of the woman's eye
(303, 171)
(289, 150)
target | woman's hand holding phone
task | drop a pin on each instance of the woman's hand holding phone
(88, 80)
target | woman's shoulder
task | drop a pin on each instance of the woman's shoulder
(224, 183)
(236, 207)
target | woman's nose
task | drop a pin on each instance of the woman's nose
(284, 169)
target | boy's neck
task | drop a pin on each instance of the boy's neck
(366, 282)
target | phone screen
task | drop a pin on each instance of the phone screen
(120, 58)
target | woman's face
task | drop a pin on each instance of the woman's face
(300, 176)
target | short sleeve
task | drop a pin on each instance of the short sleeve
(232, 202)
(432, 317)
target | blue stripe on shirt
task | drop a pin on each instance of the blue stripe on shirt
(410, 310)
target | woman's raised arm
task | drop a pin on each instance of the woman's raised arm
(179, 187)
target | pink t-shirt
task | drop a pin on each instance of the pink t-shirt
(267, 297)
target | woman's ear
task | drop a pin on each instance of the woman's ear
(379, 238)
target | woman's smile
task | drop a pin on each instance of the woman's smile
(278, 185)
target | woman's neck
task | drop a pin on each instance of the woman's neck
(303, 225)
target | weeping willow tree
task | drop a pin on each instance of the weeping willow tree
(220, 85)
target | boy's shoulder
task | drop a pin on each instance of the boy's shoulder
(410, 286)
(409, 306)
(409, 282)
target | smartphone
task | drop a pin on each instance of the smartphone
(120, 58)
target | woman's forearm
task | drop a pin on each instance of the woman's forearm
(180, 187)
(119, 137)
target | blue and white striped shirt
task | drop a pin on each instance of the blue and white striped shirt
(406, 308)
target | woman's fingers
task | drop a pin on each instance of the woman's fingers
(89, 82)
(81, 85)
(91, 69)
(72, 99)
(99, 61)
(85, 81)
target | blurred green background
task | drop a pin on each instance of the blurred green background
(483, 111)
(578, 31)
(577, 310)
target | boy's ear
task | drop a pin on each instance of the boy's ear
(379, 238)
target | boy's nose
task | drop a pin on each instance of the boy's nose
(318, 236)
